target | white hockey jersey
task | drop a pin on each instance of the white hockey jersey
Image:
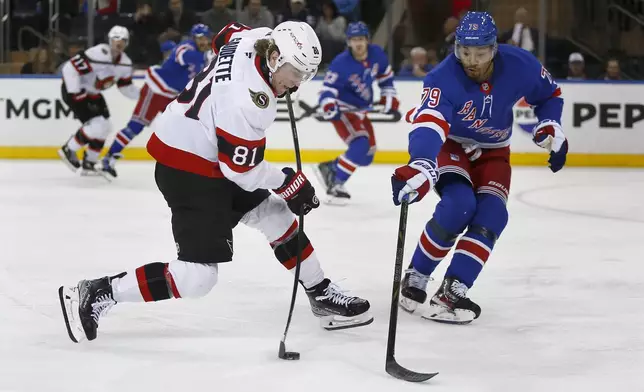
(216, 126)
(83, 75)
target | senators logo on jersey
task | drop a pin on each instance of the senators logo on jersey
(260, 99)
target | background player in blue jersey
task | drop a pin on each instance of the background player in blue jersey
(162, 84)
(346, 97)
(459, 145)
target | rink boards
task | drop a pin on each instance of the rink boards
(604, 123)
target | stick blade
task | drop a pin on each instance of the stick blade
(395, 370)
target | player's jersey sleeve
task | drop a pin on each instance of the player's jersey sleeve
(73, 70)
(543, 92)
(124, 79)
(334, 81)
(385, 76)
(241, 143)
(430, 120)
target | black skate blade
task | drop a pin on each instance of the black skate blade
(395, 370)
(67, 163)
(330, 327)
(62, 306)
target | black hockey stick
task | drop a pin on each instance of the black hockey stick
(391, 366)
(283, 354)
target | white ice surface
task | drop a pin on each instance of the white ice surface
(562, 295)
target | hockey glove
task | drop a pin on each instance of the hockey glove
(413, 181)
(298, 192)
(549, 135)
(390, 103)
(330, 110)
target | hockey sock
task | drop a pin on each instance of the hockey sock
(78, 140)
(451, 217)
(151, 282)
(356, 155)
(125, 136)
(94, 148)
(285, 248)
(475, 246)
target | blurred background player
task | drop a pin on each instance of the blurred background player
(209, 150)
(459, 145)
(162, 84)
(345, 98)
(84, 77)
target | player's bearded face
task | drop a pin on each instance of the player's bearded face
(203, 43)
(475, 59)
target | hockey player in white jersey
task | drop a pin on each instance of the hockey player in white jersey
(84, 77)
(209, 147)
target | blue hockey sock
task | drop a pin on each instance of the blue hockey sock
(357, 155)
(124, 137)
(474, 247)
(452, 215)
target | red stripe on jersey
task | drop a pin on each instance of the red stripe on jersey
(289, 233)
(182, 160)
(239, 160)
(142, 279)
(556, 93)
(264, 75)
(159, 84)
(431, 249)
(424, 118)
(409, 116)
(473, 248)
(306, 252)
(225, 33)
(170, 279)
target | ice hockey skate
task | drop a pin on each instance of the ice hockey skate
(83, 306)
(337, 310)
(69, 158)
(450, 304)
(88, 168)
(336, 192)
(413, 292)
(107, 169)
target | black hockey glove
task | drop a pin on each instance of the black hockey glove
(298, 192)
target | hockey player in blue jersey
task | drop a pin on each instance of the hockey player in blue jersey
(459, 145)
(346, 97)
(162, 84)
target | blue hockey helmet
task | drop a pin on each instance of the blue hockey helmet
(200, 30)
(476, 29)
(357, 29)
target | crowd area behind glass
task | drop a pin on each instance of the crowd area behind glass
(421, 35)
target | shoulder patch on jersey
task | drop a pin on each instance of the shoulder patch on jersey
(260, 98)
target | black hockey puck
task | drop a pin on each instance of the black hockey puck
(287, 355)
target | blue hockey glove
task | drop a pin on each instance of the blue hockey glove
(549, 135)
(413, 181)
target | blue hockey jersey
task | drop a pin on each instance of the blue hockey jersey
(456, 107)
(177, 70)
(349, 81)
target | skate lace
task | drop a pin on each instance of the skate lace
(459, 289)
(101, 306)
(337, 296)
(417, 280)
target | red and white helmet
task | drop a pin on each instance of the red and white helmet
(299, 46)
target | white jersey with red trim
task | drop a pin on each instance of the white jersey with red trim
(216, 127)
(83, 75)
